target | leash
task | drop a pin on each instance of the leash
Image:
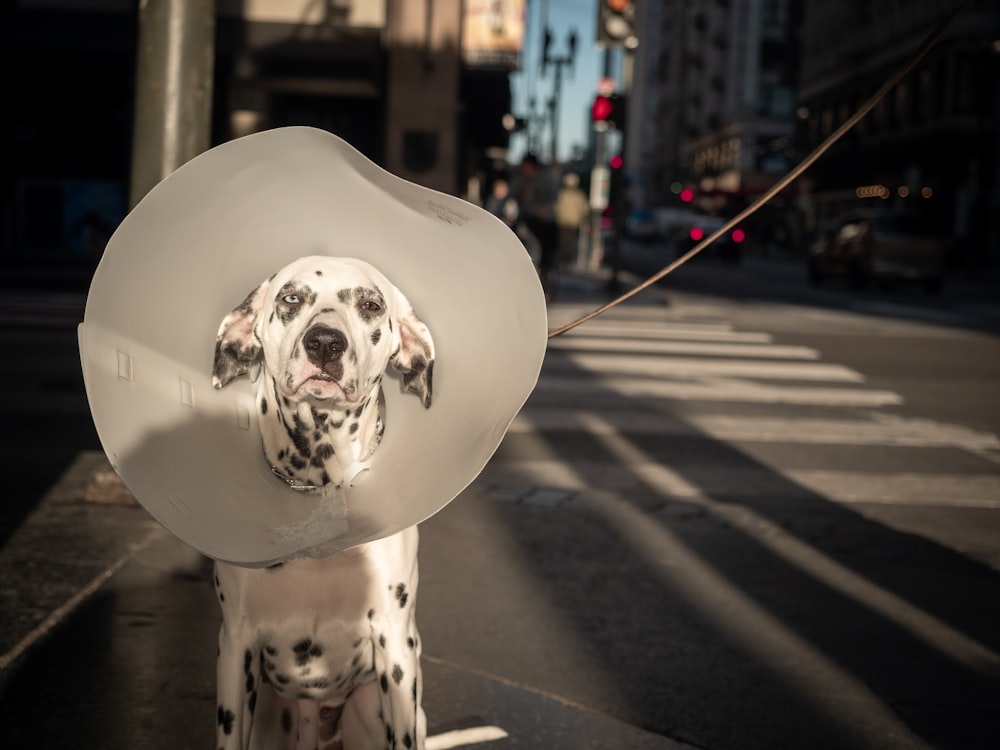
(785, 181)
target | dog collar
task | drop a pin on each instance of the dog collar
(193, 248)
(351, 472)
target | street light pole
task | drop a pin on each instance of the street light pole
(554, 100)
(173, 98)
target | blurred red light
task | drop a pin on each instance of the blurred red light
(738, 235)
(602, 108)
(696, 233)
(687, 195)
(616, 161)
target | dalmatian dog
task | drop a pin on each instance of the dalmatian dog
(317, 654)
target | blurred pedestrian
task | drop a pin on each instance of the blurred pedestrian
(535, 191)
(502, 204)
(572, 208)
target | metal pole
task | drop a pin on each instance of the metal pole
(173, 98)
(598, 181)
(620, 204)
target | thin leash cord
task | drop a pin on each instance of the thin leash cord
(802, 166)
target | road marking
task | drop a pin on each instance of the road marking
(718, 389)
(668, 332)
(878, 429)
(621, 364)
(464, 737)
(764, 351)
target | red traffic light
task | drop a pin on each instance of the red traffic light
(602, 108)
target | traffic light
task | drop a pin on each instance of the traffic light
(616, 23)
(609, 109)
(601, 109)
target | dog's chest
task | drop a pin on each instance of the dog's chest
(324, 663)
(315, 625)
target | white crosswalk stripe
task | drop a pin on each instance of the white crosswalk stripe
(648, 358)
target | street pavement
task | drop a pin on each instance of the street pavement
(718, 523)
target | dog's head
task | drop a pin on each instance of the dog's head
(326, 329)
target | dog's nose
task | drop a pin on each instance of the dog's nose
(324, 345)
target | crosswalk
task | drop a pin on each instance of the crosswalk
(652, 402)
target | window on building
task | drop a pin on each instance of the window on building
(970, 85)
(775, 100)
(774, 13)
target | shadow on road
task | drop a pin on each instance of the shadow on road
(755, 619)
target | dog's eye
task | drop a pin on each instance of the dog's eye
(291, 299)
(370, 306)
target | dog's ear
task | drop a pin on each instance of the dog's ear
(414, 357)
(237, 348)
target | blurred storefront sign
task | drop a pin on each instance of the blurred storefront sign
(493, 33)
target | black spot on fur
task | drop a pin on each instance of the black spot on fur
(226, 719)
(281, 679)
(410, 642)
(381, 640)
(249, 685)
(376, 336)
(252, 703)
(390, 735)
(371, 613)
(397, 674)
(286, 721)
(263, 406)
(247, 661)
(354, 427)
(401, 595)
(323, 452)
(407, 742)
(287, 311)
(384, 682)
(301, 650)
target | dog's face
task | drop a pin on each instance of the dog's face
(325, 329)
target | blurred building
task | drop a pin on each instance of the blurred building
(419, 86)
(717, 103)
(932, 144)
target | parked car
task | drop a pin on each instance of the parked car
(639, 225)
(882, 246)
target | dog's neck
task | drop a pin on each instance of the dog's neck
(314, 447)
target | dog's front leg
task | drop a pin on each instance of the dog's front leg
(237, 683)
(387, 713)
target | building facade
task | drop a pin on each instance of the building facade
(391, 77)
(718, 109)
(931, 145)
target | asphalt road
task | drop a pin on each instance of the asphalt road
(736, 513)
